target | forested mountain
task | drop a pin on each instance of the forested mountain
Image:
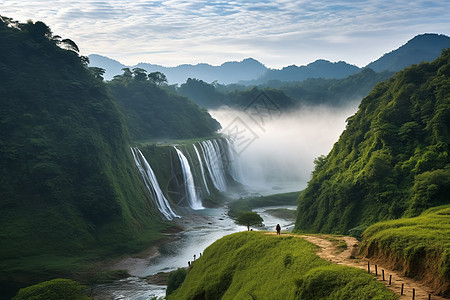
(68, 187)
(392, 160)
(332, 92)
(424, 47)
(319, 69)
(213, 96)
(151, 112)
(226, 73)
(310, 92)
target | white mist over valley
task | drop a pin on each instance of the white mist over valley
(280, 153)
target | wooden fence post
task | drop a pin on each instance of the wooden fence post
(382, 271)
(368, 267)
(376, 270)
(414, 294)
(401, 293)
(390, 279)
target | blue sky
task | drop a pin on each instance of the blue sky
(277, 33)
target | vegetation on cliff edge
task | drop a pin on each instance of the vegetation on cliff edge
(392, 160)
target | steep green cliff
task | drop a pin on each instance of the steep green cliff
(392, 160)
(68, 186)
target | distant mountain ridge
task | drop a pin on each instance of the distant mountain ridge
(320, 68)
(424, 47)
(226, 73)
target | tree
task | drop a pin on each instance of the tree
(37, 30)
(98, 72)
(139, 74)
(127, 74)
(157, 78)
(249, 219)
(70, 45)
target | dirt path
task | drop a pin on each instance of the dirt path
(329, 250)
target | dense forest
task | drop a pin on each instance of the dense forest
(152, 112)
(69, 191)
(288, 95)
(392, 160)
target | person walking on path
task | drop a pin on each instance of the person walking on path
(278, 228)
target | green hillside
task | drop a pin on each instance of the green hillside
(419, 247)
(392, 160)
(253, 265)
(151, 112)
(68, 187)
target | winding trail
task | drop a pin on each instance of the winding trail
(348, 257)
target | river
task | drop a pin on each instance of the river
(202, 228)
(277, 158)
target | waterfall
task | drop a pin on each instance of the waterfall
(152, 185)
(233, 161)
(201, 169)
(214, 164)
(189, 185)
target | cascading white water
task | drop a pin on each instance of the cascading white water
(233, 161)
(191, 194)
(214, 164)
(201, 169)
(152, 185)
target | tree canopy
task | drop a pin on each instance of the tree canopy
(152, 112)
(249, 219)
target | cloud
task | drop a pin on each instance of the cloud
(278, 33)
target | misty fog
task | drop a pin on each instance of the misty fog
(276, 150)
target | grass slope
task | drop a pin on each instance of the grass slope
(253, 265)
(420, 246)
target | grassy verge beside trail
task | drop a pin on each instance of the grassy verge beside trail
(419, 247)
(253, 265)
(239, 206)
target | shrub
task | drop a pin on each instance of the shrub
(56, 289)
(175, 280)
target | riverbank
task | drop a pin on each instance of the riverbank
(237, 207)
(129, 262)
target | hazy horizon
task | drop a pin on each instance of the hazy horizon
(174, 32)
